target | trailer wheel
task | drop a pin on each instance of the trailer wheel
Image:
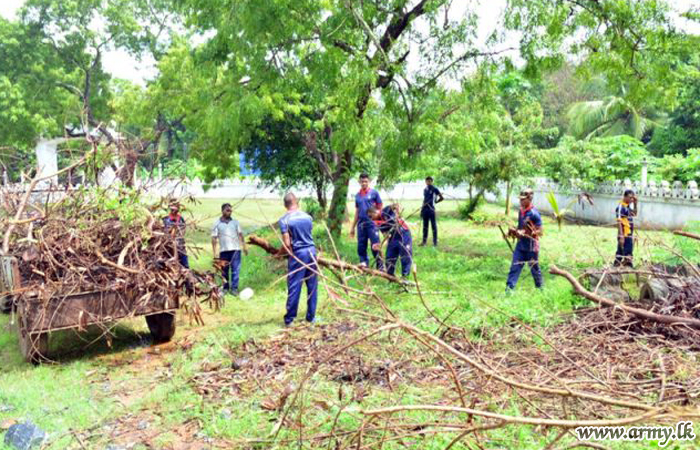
(6, 304)
(162, 326)
(34, 346)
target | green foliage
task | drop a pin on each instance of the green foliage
(595, 161)
(313, 208)
(633, 51)
(559, 213)
(682, 168)
(176, 168)
(611, 116)
(683, 129)
(488, 137)
(52, 80)
(469, 209)
(546, 137)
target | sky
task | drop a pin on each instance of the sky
(120, 64)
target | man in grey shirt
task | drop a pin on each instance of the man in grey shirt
(227, 233)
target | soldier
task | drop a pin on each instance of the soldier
(366, 229)
(431, 197)
(296, 227)
(528, 234)
(174, 224)
(624, 213)
(400, 245)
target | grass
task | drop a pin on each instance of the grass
(464, 278)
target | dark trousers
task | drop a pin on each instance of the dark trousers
(230, 272)
(429, 217)
(184, 260)
(301, 268)
(367, 231)
(400, 247)
(520, 258)
(623, 256)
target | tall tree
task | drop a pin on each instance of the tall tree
(682, 132)
(633, 46)
(341, 59)
(54, 76)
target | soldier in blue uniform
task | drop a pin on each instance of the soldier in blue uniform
(366, 229)
(400, 242)
(296, 227)
(431, 197)
(174, 224)
(624, 213)
(527, 249)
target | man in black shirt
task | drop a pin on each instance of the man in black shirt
(431, 197)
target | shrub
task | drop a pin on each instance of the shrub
(313, 208)
(677, 167)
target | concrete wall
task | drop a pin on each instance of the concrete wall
(663, 205)
(249, 188)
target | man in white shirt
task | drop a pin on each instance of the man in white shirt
(228, 235)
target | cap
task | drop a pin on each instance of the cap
(526, 193)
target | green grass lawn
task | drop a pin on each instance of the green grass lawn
(93, 384)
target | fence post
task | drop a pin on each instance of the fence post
(645, 165)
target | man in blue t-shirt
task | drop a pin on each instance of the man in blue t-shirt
(528, 234)
(400, 243)
(296, 227)
(431, 197)
(366, 229)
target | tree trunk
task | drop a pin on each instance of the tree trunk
(474, 203)
(341, 182)
(508, 187)
(321, 194)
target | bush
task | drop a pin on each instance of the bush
(467, 209)
(677, 167)
(595, 161)
(313, 208)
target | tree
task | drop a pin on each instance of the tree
(275, 149)
(486, 138)
(599, 160)
(343, 60)
(55, 79)
(632, 46)
(560, 89)
(683, 129)
(31, 105)
(612, 116)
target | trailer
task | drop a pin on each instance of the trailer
(37, 317)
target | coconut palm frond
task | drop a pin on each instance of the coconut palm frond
(611, 116)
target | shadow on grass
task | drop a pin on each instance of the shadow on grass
(67, 346)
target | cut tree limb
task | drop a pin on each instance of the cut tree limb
(688, 235)
(329, 263)
(641, 313)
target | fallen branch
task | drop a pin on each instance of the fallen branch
(517, 419)
(688, 235)
(329, 263)
(641, 313)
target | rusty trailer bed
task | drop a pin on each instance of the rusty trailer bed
(37, 317)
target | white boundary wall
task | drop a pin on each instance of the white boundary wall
(663, 205)
(250, 188)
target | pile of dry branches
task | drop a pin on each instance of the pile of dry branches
(92, 239)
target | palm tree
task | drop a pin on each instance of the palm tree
(611, 116)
